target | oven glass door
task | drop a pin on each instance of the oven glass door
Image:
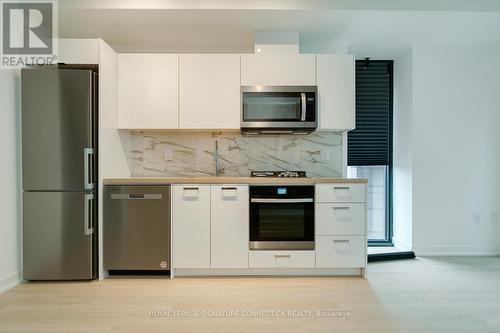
(273, 107)
(281, 225)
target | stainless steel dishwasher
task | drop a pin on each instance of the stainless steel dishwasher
(136, 225)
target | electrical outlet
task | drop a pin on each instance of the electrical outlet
(476, 217)
(325, 155)
(168, 154)
(494, 217)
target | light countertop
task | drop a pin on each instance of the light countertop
(229, 180)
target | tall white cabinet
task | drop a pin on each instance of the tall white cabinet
(148, 91)
(209, 91)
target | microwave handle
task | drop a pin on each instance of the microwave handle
(304, 106)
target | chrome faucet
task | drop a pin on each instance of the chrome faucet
(218, 171)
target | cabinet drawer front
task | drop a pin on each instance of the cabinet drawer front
(281, 259)
(340, 193)
(340, 219)
(340, 251)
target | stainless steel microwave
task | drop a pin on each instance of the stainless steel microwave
(279, 109)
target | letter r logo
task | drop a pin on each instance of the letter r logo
(27, 27)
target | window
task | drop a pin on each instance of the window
(369, 146)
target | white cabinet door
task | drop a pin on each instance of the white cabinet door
(335, 74)
(209, 91)
(278, 69)
(191, 226)
(229, 226)
(148, 91)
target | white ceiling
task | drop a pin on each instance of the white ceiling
(228, 26)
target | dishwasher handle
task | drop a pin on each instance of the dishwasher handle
(136, 196)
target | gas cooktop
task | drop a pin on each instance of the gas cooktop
(279, 174)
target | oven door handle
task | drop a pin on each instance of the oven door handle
(282, 200)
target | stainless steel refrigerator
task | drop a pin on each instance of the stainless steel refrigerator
(59, 163)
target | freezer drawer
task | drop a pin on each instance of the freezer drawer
(58, 236)
(136, 227)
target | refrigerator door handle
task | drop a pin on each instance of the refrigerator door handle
(88, 228)
(88, 153)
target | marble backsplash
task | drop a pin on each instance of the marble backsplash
(192, 153)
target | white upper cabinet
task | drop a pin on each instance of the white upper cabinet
(209, 91)
(148, 91)
(278, 69)
(335, 74)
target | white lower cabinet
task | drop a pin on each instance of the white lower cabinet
(340, 251)
(281, 259)
(210, 230)
(191, 226)
(229, 226)
(340, 214)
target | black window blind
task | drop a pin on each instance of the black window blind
(371, 142)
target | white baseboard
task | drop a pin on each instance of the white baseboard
(267, 272)
(10, 281)
(430, 251)
(401, 245)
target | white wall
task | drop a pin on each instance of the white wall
(10, 227)
(456, 149)
(402, 151)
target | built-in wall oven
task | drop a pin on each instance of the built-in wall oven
(281, 217)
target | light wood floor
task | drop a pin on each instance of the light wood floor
(422, 295)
